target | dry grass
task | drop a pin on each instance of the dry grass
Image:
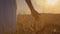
(25, 23)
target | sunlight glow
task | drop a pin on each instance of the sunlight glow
(52, 2)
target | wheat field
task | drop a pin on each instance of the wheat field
(25, 24)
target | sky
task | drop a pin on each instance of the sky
(41, 6)
(22, 7)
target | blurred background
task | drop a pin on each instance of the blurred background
(49, 11)
(42, 6)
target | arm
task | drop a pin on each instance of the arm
(34, 13)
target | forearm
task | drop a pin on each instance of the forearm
(30, 4)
